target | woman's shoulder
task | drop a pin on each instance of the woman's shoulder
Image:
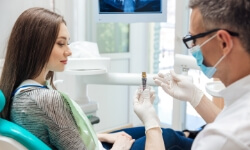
(34, 92)
(41, 96)
(47, 101)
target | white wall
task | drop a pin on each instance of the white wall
(74, 12)
(10, 10)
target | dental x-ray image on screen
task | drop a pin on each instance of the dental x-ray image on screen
(131, 11)
(116, 6)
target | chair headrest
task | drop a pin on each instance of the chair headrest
(2, 101)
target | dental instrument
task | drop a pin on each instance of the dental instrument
(144, 80)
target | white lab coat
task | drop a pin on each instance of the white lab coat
(231, 128)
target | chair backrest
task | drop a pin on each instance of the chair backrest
(12, 136)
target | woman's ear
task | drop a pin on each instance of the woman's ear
(226, 41)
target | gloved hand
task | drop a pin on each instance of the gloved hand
(179, 87)
(143, 107)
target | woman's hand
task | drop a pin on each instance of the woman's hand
(122, 142)
(112, 137)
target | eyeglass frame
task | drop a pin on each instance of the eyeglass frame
(189, 37)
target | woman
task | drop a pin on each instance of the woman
(38, 46)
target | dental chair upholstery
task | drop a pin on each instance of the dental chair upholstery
(14, 137)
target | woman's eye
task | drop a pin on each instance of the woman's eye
(60, 44)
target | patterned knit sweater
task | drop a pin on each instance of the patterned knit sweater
(45, 114)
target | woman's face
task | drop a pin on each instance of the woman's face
(60, 52)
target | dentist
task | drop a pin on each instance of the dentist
(219, 41)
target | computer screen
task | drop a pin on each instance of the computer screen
(131, 10)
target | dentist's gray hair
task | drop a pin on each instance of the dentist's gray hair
(233, 15)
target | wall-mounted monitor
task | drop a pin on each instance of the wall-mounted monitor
(131, 11)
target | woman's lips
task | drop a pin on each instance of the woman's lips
(64, 61)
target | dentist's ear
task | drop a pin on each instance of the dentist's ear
(226, 41)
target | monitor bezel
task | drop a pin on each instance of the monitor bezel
(132, 17)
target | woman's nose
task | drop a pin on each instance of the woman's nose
(68, 52)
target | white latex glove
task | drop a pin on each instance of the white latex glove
(143, 107)
(179, 87)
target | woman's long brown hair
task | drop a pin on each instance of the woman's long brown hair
(29, 47)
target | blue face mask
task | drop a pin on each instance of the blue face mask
(197, 53)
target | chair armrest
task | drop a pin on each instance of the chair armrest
(21, 135)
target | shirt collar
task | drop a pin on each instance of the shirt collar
(236, 90)
(30, 82)
(27, 84)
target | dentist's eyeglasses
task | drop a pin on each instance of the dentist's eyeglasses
(190, 41)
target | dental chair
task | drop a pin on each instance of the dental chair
(14, 137)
